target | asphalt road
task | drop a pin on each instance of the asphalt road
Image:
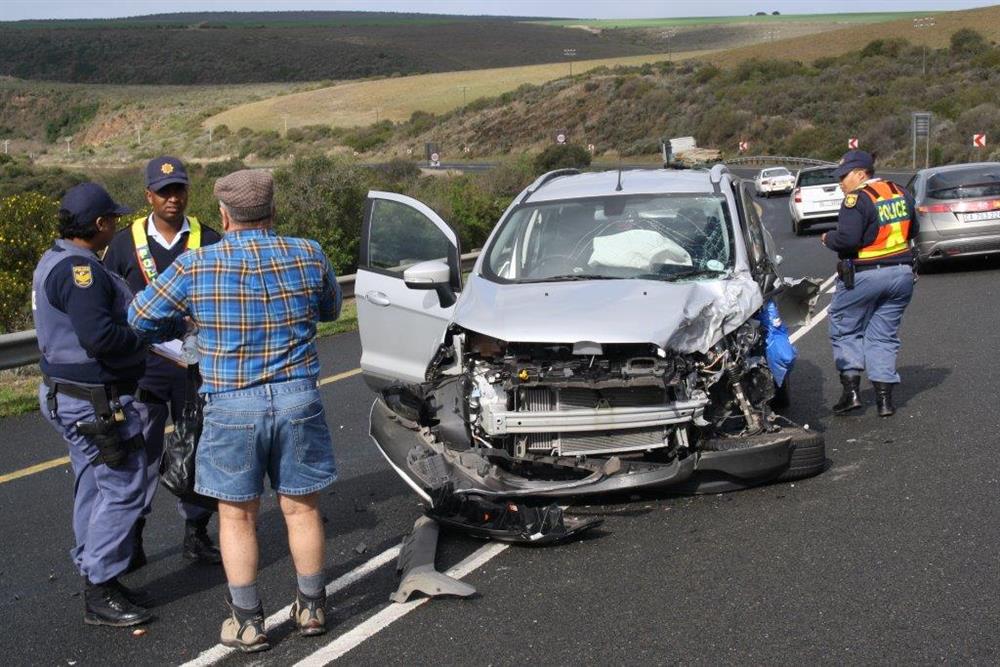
(888, 557)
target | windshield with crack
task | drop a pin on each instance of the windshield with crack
(676, 237)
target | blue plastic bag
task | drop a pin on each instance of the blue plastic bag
(780, 352)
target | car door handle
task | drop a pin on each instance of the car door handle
(377, 298)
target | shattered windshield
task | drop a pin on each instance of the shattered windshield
(655, 237)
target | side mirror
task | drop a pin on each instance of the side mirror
(432, 275)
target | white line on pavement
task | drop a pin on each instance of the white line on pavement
(394, 612)
(818, 317)
(218, 652)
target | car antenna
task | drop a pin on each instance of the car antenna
(618, 188)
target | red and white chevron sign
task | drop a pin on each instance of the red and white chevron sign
(744, 145)
(852, 143)
(979, 140)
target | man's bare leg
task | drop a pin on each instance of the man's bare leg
(305, 532)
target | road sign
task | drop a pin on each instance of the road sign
(561, 136)
(921, 127)
(979, 140)
(744, 146)
(435, 158)
(591, 147)
(409, 151)
(852, 143)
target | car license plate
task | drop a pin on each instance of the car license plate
(832, 203)
(981, 216)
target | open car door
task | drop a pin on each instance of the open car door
(408, 273)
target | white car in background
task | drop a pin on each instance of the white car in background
(773, 179)
(816, 198)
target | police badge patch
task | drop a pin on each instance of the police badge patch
(850, 200)
(82, 276)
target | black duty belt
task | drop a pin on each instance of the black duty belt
(868, 267)
(85, 392)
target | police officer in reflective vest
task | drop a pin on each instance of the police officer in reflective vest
(875, 280)
(139, 253)
(91, 361)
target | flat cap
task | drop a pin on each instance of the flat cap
(248, 194)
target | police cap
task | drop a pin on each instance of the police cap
(163, 171)
(89, 201)
(852, 160)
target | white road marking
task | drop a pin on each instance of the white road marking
(818, 317)
(394, 612)
(218, 652)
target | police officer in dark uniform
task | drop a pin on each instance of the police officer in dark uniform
(91, 361)
(139, 253)
(875, 280)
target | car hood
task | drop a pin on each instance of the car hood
(681, 316)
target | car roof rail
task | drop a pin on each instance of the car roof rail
(545, 178)
(717, 171)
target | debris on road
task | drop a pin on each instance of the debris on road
(416, 566)
(361, 548)
(139, 632)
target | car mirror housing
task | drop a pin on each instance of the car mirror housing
(431, 275)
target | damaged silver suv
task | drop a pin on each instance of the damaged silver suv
(608, 338)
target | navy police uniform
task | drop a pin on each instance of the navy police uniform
(91, 362)
(872, 241)
(139, 257)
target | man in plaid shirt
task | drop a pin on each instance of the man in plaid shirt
(255, 298)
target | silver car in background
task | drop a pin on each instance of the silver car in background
(816, 198)
(958, 210)
(772, 180)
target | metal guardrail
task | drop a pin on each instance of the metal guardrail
(21, 348)
(779, 159)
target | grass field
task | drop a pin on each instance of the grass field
(362, 103)
(835, 42)
(860, 17)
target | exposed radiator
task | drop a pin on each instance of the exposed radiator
(571, 444)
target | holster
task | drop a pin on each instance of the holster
(845, 271)
(112, 451)
(108, 415)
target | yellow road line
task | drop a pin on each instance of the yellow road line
(31, 470)
(63, 460)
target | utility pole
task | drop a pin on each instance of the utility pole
(570, 53)
(67, 140)
(463, 95)
(6, 143)
(210, 134)
(138, 134)
(285, 117)
(376, 115)
(920, 24)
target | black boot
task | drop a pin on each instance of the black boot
(883, 399)
(138, 553)
(850, 399)
(198, 545)
(107, 605)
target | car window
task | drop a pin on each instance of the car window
(771, 173)
(817, 177)
(756, 248)
(641, 236)
(400, 236)
(978, 181)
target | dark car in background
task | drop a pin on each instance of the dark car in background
(958, 210)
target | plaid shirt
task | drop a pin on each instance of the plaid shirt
(256, 298)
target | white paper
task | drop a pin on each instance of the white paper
(172, 350)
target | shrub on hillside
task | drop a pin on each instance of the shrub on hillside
(323, 198)
(890, 48)
(966, 42)
(27, 227)
(364, 139)
(559, 156)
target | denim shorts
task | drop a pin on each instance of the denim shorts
(278, 429)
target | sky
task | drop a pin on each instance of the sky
(13, 10)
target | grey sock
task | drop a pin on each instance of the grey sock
(311, 585)
(245, 597)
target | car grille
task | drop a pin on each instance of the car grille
(599, 442)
